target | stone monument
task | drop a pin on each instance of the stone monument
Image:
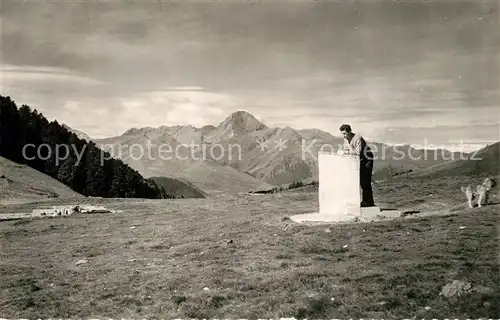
(339, 190)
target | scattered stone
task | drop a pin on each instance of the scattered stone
(230, 241)
(409, 213)
(206, 289)
(79, 262)
(328, 230)
(456, 288)
(94, 209)
(462, 227)
(66, 210)
(427, 308)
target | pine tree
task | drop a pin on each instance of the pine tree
(9, 129)
(118, 181)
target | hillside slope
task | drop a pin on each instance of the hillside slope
(22, 183)
(485, 161)
(392, 160)
(80, 134)
(213, 178)
(178, 189)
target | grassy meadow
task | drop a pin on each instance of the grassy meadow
(241, 257)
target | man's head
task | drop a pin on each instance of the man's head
(346, 130)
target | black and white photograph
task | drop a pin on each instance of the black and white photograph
(249, 159)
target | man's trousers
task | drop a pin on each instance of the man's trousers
(365, 181)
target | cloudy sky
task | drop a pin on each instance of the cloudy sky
(397, 71)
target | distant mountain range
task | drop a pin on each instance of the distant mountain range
(242, 154)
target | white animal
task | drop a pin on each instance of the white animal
(480, 191)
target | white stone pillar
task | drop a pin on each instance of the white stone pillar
(339, 189)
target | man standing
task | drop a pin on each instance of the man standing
(355, 144)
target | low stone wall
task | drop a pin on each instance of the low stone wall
(68, 210)
(55, 211)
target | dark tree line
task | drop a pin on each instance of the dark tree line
(28, 138)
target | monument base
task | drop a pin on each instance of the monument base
(370, 212)
(353, 214)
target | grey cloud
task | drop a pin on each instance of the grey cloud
(229, 43)
(22, 49)
(325, 59)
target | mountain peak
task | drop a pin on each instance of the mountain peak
(241, 113)
(242, 121)
(130, 131)
(234, 125)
